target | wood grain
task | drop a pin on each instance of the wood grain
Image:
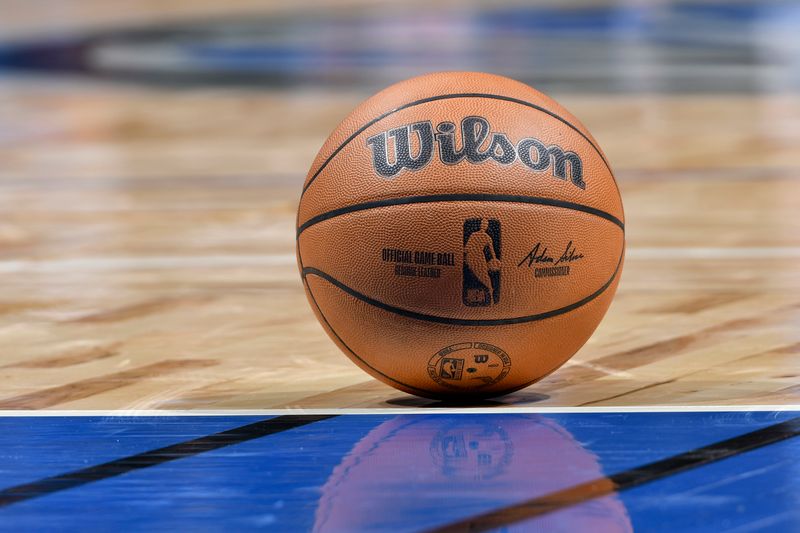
(147, 253)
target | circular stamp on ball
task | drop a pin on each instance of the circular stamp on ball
(477, 450)
(469, 366)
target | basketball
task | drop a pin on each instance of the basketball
(460, 235)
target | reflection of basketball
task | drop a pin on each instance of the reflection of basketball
(465, 213)
(460, 466)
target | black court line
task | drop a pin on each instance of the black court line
(628, 479)
(117, 467)
(360, 130)
(466, 197)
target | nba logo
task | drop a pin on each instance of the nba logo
(452, 368)
(481, 282)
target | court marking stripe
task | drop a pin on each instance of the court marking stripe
(435, 198)
(449, 97)
(462, 321)
(117, 467)
(625, 480)
(435, 408)
(506, 516)
(112, 263)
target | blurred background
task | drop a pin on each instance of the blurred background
(265, 81)
(611, 46)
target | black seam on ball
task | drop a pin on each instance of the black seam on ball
(461, 321)
(419, 391)
(510, 198)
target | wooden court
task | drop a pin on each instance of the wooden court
(149, 263)
(147, 241)
(148, 252)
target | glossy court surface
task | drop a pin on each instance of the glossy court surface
(436, 471)
(150, 165)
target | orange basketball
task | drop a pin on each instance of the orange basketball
(460, 234)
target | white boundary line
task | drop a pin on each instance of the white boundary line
(404, 411)
(714, 252)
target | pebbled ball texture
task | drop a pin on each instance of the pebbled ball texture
(460, 234)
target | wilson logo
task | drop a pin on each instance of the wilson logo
(478, 144)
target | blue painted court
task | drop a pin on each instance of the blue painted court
(445, 471)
